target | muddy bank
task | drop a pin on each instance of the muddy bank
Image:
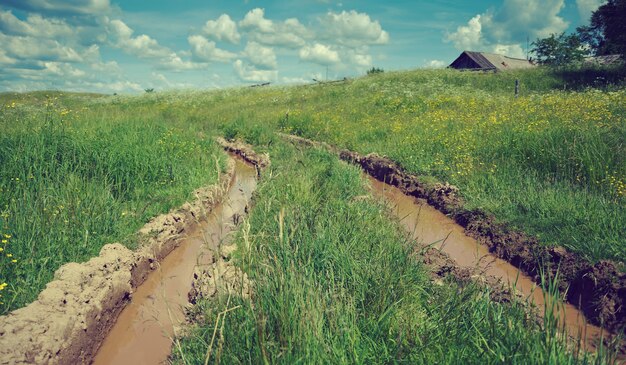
(245, 151)
(145, 329)
(444, 247)
(599, 290)
(73, 314)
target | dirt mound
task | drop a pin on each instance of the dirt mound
(220, 277)
(73, 314)
(245, 151)
(599, 289)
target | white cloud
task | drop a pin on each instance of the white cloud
(5, 59)
(110, 67)
(63, 69)
(174, 62)
(224, 28)
(204, 50)
(142, 46)
(505, 29)
(296, 80)
(435, 64)
(353, 29)
(32, 49)
(467, 37)
(289, 33)
(34, 25)
(320, 54)
(586, 7)
(255, 19)
(511, 50)
(360, 60)
(263, 57)
(250, 74)
(84, 7)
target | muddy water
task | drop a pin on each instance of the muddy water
(143, 331)
(431, 227)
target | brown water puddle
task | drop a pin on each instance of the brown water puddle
(144, 330)
(431, 227)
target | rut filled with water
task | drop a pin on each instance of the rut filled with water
(144, 330)
(429, 226)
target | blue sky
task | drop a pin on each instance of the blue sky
(127, 46)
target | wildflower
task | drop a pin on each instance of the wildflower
(9, 255)
(7, 236)
(5, 241)
(14, 261)
(3, 285)
(1, 249)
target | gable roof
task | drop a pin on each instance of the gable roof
(489, 61)
(603, 60)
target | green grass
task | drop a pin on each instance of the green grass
(70, 183)
(336, 282)
(550, 162)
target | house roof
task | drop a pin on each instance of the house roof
(603, 60)
(490, 61)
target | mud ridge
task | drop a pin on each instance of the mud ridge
(245, 151)
(222, 276)
(73, 314)
(599, 289)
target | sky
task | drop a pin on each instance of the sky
(127, 46)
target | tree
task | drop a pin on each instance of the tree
(606, 33)
(559, 50)
(375, 70)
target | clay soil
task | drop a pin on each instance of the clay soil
(598, 289)
(74, 313)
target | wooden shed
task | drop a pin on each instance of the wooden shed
(482, 61)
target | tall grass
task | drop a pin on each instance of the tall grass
(69, 185)
(336, 282)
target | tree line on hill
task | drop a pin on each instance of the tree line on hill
(605, 35)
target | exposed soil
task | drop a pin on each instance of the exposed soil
(599, 289)
(75, 312)
(245, 151)
(144, 330)
(444, 247)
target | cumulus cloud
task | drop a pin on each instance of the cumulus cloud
(586, 7)
(142, 46)
(262, 57)
(249, 73)
(224, 28)
(467, 37)
(81, 7)
(360, 59)
(320, 54)
(353, 29)
(506, 28)
(34, 25)
(435, 64)
(289, 33)
(204, 50)
(31, 48)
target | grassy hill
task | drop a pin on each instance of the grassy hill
(82, 170)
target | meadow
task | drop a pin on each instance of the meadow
(70, 184)
(82, 170)
(336, 281)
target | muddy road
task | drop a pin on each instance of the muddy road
(145, 329)
(434, 229)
